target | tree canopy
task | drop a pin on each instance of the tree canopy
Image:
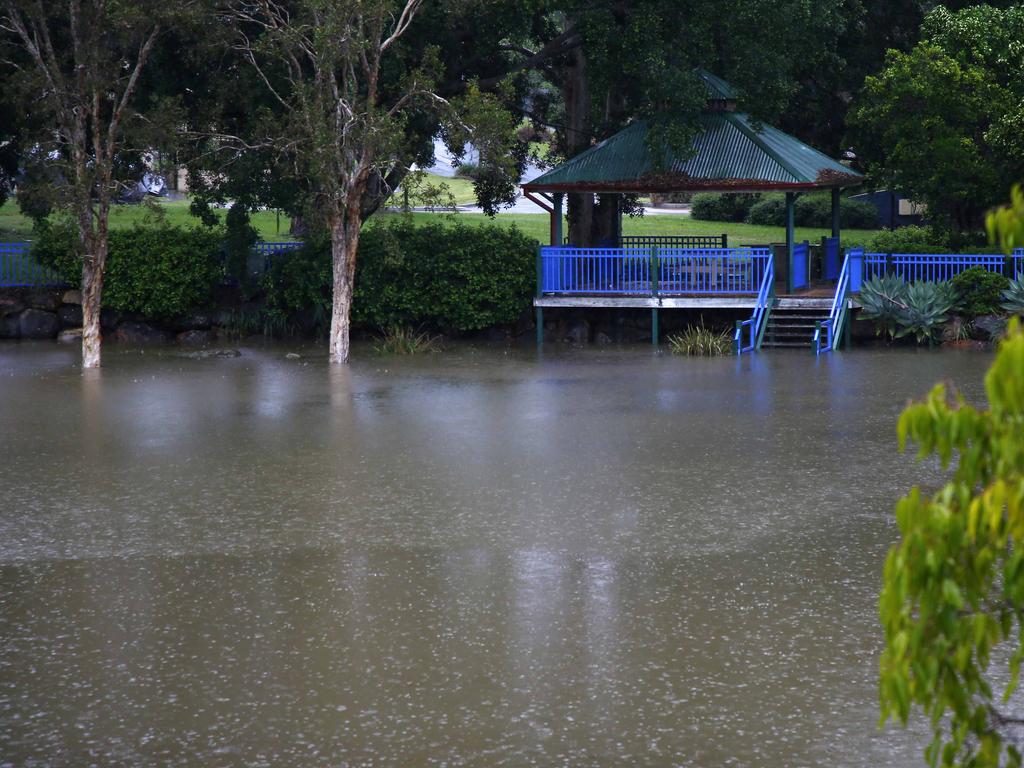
(941, 122)
(954, 584)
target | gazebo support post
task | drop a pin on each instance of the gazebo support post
(790, 238)
(538, 292)
(835, 214)
(556, 219)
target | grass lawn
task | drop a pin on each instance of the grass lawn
(14, 226)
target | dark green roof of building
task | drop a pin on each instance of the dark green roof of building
(718, 89)
(732, 153)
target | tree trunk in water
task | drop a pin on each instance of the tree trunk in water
(344, 244)
(93, 265)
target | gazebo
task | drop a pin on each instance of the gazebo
(732, 153)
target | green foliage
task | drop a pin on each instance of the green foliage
(942, 122)
(953, 586)
(926, 310)
(239, 238)
(401, 340)
(1006, 223)
(701, 341)
(445, 276)
(909, 240)
(881, 299)
(155, 271)
(979, 291)
(898, 309)
(1013, 296)
(769, 211)
(814, 210)
(715, 206)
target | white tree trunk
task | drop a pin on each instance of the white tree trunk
(93, 265)
(344, 242)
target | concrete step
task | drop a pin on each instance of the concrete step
(769, 344)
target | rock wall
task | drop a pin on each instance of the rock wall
(27, 313)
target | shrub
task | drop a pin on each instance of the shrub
(1013, 296)
(881, 299)
(812, 211)
(729, 206)
(909, 240)
(700, 341)
(448, 277)
(816, 211)
(769, 211)
(925, 311)
(979, 291)
(156, 271)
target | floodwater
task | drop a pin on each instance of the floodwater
(480, 557)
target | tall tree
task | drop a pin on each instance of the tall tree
(942, 122)
(350, 103)
(78, 66)
(624, 61)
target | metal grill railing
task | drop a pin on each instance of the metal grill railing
(675, 241)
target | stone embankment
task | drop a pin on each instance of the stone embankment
(57, 314)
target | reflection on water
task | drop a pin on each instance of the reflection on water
(487, 558)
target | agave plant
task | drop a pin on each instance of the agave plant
(882, 299)
(925, 311)
(1013, 296)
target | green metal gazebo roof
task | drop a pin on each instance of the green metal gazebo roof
(731, 153)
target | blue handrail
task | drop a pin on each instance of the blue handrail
(830, 330)
(758, 320)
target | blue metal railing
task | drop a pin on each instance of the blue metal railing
(652, 271)
(801, 277)
(269, 250)
(759, 320)
(827, 334)
(19, 270)
(928, 267)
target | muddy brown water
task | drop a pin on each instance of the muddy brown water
(479, 557)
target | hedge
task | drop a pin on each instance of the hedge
(713, 206)
(813, 210)
(158, 271)
(450, 277)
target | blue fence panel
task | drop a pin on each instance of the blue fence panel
(855, 256)
(19, 270)
(711, 270)
(611, 271)
(565, 269)
(830, 258)
(1018, 261)
(800, 267)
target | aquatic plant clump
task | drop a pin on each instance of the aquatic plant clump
(701, 341)
(401, 340)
